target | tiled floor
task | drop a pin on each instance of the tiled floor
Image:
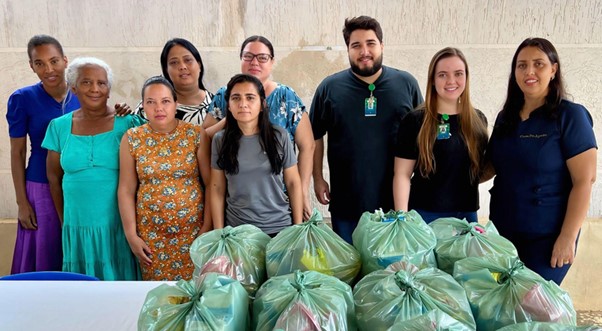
(588, 317)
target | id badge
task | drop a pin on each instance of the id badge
(443, 131)
(370, 107)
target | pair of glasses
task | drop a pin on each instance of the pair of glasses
(261, 58)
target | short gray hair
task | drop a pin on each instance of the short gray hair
(73, 70)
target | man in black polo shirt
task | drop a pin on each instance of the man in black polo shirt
(360, 109)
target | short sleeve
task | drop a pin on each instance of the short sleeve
(216, 145)
(319, 113)
(218, 106)
(52, 139)
(577, 134)
(409, 127)
(289, 159)
(16, 116)
(295, 109)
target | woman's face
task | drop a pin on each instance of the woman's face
(92, 87)
(183, 68)
(48, 63)
(450, 78)
(159, 106)
(254, 67)
(244, 102)
(533, 72)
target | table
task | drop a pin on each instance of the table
(72, 305)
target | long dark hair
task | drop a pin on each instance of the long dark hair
(228, 153)
(190, 47)
(515, 98)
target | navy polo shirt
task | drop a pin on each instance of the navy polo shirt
(532, 184)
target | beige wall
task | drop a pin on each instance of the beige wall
(129, 35)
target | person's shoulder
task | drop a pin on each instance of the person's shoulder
(399, 74)
(336, 77)
(63, 120)
(28, 91)
(569, 109)
(567, 105)
(285, 90)
(219, 135)
(415, 116)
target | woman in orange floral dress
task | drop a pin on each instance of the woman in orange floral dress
(161, 195)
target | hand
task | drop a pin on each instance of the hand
(122, 109)
(563, 252)
(141, 250)
(27, 217)
(306, 206)
(322, 191)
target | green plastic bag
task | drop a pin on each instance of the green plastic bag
(502, 291)
(237, 252)
(434, 320)
(546, 326)
(382, 239)
(312, 246)
(304, 301)
(402, 292)
(458, 239)
(211, 302)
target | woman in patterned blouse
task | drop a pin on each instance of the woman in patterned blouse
(161, 201)
(182, 66)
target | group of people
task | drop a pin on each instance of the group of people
(122, 196)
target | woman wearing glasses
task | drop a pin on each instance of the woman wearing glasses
(285, 106)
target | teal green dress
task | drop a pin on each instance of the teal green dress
(93, 239)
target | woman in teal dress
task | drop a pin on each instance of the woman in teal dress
(83, 172)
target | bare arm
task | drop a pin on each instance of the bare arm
(212, 126)
(203, 157)
(401, 182)
(304, 138)
(217, 197)
(292, 180)
(18, 151)
(321, 187)
(55, 173)
(582, 168)
(126, 195)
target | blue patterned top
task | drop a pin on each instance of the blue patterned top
(286, 108)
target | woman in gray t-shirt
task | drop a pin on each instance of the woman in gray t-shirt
(254, 163)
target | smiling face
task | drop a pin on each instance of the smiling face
(160, 107)
(365, 53)
(450, 79)
(92, 87)
(49, 64)
(182, 67)
(255, 68)
(533, 72)
(245, 103)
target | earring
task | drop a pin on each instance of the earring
(551, 79)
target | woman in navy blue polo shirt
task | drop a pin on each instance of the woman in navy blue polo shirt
(543, 151)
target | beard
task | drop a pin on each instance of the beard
(368, 71)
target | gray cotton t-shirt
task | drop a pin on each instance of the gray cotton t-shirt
(255, 195)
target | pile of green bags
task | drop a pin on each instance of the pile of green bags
(502, 291)
(434, 320)
(210, 302)
(312, 246)
(305, 301)
(237, 252)
(402, 292)
(458, 239)
(382, 239)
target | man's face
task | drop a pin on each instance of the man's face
(365, 53)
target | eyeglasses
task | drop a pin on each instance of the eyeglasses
(261, 58)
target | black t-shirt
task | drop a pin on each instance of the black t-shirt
(450, 188)
(360, 148)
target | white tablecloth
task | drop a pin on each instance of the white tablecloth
(71, 305)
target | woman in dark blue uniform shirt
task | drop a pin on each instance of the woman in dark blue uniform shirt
(543, 151)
